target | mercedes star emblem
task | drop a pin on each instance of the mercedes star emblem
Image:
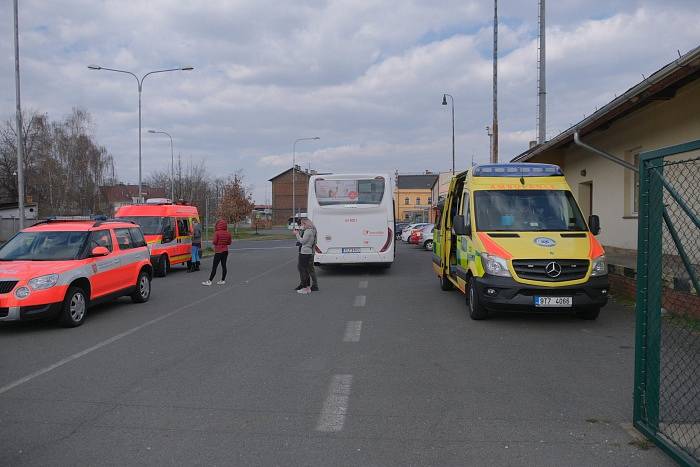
(553, 269)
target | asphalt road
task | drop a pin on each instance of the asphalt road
(378, 368)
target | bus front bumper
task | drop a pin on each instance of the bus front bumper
(354, 258)
(505, 294)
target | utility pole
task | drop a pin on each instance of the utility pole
(542, 83)
(18, 117)
(494, 126)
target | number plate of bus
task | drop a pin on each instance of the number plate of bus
(351, 250)
(553, 302)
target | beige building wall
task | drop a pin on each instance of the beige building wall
(610, 187)
(422, 195)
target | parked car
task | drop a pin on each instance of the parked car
(59, 268)
(399, 228)
(407, 231)
(423, 237)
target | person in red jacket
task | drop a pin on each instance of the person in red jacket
(222, 239)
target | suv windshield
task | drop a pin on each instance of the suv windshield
(150, 225)
(44, 246)
(527, 211)
(366, 191)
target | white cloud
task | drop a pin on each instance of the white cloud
(367, 76)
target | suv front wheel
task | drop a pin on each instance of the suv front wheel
(74, 308)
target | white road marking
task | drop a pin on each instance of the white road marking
(360, 300)
(352, 331)
(122, 335)
(364, 284)
(335, 407)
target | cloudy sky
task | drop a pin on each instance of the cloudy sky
(366, 76)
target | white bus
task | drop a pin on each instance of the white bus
(354, 217)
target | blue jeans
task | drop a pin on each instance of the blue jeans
(196, 253)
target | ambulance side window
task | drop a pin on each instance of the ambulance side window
(183, 227)
(101, 238)
(137, 237)
(168, 229)
(123, 239)
(466, 211)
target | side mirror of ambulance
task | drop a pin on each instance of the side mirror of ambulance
(594, 224)
(99, 251)
(458, 225)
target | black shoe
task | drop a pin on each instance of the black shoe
(196, 266)
(314, 288)
(299, 287)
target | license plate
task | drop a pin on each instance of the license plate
(553, 301)
(351, 250)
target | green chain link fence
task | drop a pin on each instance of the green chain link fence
(667, 365)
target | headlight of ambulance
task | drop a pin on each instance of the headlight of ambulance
(495, 265)
(22, 292)
(43, 282)
(600, 266)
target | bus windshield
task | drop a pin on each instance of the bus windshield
(150, 225)
(527, 211)
(44, 246)
(359, 191)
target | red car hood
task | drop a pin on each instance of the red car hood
(29, 269)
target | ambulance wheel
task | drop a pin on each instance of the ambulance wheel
(163, 266)
(74, 308)
(588, 313)
(476, 309)
(143, 288)
(445, 283)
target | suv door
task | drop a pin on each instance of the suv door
(105, 269)
(129, 253)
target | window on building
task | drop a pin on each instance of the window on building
(406, 201)
(430, 200)
(418, 201)
(635, 200)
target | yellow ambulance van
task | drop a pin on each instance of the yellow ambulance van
(512, 238)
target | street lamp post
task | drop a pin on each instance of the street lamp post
(294, 170)
(172, 164)
(18, 117)
(444, 102)
(139, 81)
(490, 133)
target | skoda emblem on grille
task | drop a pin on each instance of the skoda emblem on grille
(545, 242)
(553, 269)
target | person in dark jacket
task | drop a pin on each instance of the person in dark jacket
(196, 245)
(311, 268)
(306, 254)
(221, 241)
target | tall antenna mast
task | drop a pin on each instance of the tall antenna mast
(542, 83)
(494, 128)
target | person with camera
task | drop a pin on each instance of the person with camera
(306, 240)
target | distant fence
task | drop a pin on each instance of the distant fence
(9, 227)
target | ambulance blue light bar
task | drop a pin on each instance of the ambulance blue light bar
(517, 170)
